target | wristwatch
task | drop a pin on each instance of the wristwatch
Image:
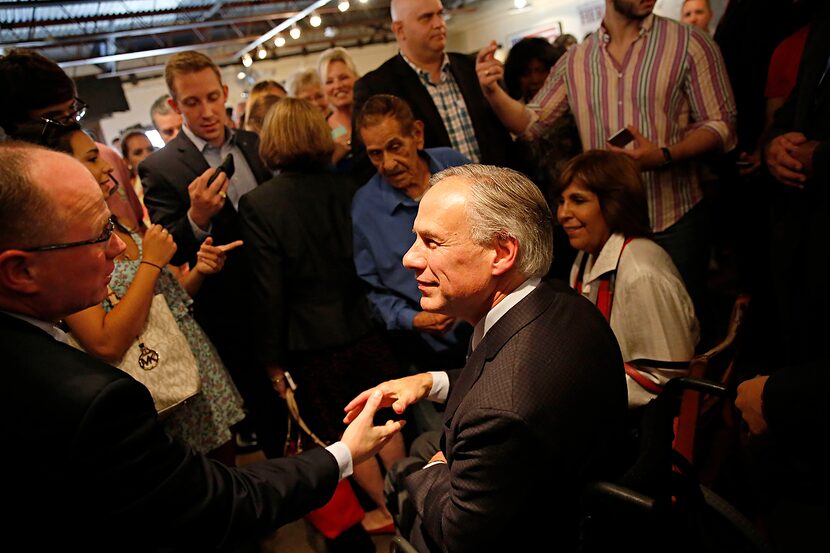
(666, 156)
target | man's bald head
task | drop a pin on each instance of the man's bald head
(420, 29)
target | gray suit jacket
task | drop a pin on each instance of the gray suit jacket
(537, 411)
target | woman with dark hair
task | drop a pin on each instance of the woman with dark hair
(632, 280)
(528, 65)
(525, 70)
(140, 272)
(310, 310)
(135, 146)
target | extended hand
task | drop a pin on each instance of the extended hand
(362, 438)
(398, 394)
(210, 259)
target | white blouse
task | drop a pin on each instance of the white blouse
(652, 315)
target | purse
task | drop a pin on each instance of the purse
(343, 510)
(160, 358)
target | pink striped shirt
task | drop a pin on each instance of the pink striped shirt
(671, 81)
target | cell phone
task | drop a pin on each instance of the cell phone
(621, 138)
(290, 381)
(226, 167)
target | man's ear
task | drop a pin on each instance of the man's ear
(397, 28)
(16, 274)
(418, 133)
(506, 254)
(174, 105)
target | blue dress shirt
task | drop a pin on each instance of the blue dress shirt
(382, 220)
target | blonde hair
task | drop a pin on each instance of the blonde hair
(301, 79)
(337, 53)
(295, 134)
(187, 62)
(257, 110)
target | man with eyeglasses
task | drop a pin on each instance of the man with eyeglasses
(101, 474)
(36, 89)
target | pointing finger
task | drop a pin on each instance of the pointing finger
(232, 246)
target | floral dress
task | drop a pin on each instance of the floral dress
(204, 421)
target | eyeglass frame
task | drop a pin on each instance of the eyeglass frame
(79, 109)
(105, 236)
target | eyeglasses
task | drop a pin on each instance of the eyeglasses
(104, 237)
(78, 110)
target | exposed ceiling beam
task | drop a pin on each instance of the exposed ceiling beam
(281, 27)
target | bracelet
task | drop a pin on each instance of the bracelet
(150, 264)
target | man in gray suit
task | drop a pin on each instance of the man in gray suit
(539, 408)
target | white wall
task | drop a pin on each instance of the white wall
(140, 96)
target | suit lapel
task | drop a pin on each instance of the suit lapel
(190, 155)
(418, 96)
(519, 316)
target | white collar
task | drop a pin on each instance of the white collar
(501, 308)
(607, 260)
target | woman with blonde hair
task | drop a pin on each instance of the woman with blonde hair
(338, 74)
(309, 309)
(305, 84)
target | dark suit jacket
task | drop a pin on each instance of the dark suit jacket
(98, 472)
(298, 234)
(537, 411)
(223, 299)
(396, 77)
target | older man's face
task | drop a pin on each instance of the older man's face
(73, 279)
(168, 125)
(453, 273)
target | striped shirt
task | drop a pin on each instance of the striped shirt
(671, 82)
(452, 108)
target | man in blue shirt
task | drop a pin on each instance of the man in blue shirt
(383, 212)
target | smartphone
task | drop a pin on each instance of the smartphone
(226, 167)
(621, 138)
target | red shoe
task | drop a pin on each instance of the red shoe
(388, 529)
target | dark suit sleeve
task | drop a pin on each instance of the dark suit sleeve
(495, 462)
(362, 167)
(167, 203)
(266, 258)
(180, 497)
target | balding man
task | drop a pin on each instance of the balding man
(101, 473)
(442, 89)
(540, 404)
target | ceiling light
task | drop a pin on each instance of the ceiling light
(247, 60)
(241, 75)
(343, 5)
(363, 1)
(279, 41)
(329, 32)
(262, 53)
(520, 4)
(295, 32)
(315, 20)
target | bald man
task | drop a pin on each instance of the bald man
(442, 89)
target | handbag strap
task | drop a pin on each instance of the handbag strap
(294, 410)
